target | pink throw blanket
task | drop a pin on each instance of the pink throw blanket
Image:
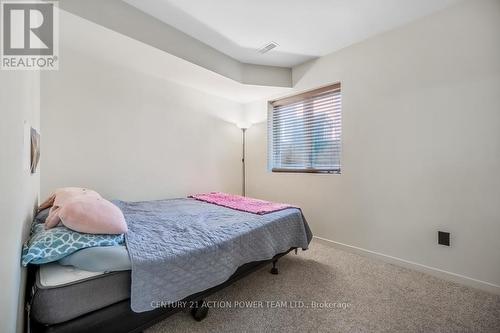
(249, 205)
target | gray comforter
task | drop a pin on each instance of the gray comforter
(183, 246)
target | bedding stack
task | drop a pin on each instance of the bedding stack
(78, 227)
(78, 242)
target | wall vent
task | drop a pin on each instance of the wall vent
(268, 47)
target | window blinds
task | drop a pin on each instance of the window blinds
(305, 132)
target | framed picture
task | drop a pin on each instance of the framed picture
(35, 149)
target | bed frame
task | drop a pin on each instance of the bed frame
(119, 318)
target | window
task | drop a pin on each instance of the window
(305, 132)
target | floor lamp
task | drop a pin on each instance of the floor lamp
(243, 126)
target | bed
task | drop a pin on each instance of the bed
(178, 240)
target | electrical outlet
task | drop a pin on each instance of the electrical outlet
(444, 238)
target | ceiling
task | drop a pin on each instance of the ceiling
(304, 29)
(105, 44)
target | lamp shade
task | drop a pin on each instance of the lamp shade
(244, 124)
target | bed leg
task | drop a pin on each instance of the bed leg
(274, 270)
(199, 310)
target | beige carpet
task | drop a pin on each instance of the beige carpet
(370, 296)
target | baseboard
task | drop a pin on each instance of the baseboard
(483, 285)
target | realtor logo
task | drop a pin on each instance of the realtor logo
(29, 35)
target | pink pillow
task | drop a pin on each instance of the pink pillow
(59, 198)
(84, 210)
(92, 215)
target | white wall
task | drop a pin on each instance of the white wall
(19, 105)
(421, 144)
(133, 136)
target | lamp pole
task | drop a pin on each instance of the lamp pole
(243, 131)
(243, 126)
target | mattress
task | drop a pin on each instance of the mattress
(62, 293)
(55, 275)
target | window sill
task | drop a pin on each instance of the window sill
(323, 171)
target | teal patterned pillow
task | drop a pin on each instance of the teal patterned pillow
(53, 244)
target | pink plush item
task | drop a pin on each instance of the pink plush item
(63, 194)
(59, 198)
(85, 211)
(93, 216)
(237, 202)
